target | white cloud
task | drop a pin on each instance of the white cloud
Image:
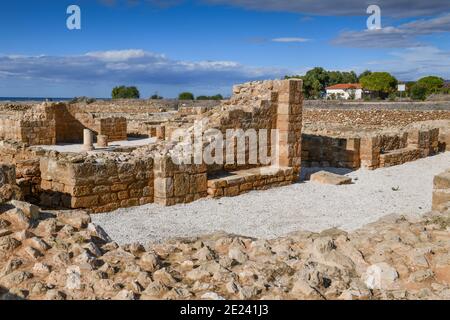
(402, 36)
(414, 63)
(117, 55)
(393, 8)
(290, 40)
(131, 67)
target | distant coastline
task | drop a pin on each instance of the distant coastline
(36, 99)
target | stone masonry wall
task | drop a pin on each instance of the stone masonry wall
(99, 184)
(47, 124)
(379, 151)
(370, 151)
(322, 151)
(178, 183)
(35, 126)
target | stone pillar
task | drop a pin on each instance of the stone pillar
(102, 141)
(289, 124)
(161, 132)
(88, 140)
(370, 151)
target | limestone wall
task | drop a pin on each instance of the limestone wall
(34, 126)
(100, 184)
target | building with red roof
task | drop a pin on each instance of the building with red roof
(345, 91)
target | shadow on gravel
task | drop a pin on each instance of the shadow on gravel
(306, 173)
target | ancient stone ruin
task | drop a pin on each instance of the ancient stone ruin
(72, 159)
(115, 176)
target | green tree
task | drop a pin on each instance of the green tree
(186, 96)
(364, 73)
(432, 84)
(382, 83)
(316, 80)
(124, 92)
(418, 92)
(336, 77)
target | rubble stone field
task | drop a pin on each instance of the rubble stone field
(353, 204)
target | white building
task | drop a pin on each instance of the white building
(345, 91)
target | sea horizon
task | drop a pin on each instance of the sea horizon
(40, 99)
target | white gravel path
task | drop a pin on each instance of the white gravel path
(277, 212)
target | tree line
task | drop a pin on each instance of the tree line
(382, 85)
(124, 92)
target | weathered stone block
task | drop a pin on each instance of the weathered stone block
(324, 177)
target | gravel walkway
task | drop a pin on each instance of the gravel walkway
(276, 212)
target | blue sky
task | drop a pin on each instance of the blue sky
(205, 46)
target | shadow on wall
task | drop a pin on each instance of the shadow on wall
(55, 200)
(69, 129)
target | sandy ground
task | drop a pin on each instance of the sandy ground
(405, 189)
(78, 147)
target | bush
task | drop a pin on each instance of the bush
(123, 92)
(156, 97)
(216, 97)
(432, 84)
(418, 92)
(186, 96)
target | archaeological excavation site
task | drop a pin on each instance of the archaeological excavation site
(118, 199)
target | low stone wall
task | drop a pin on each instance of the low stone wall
(99, 184)
(441, 192)
(371, 117)
(369, 150)
(240, 182)
(399, 156)
(378, 105)
(376, 153)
